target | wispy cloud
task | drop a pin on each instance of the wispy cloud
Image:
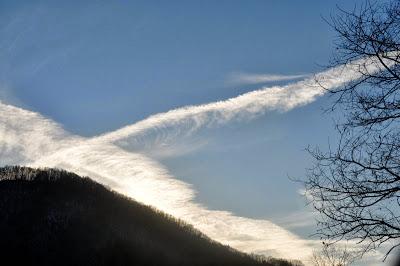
(26, 135)
(181, 122)
(240, 78)
(116, 158)
(139, 177)
(298, 219)
(147, 181)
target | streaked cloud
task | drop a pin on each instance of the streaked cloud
(26, 135)
(149, 182)
(298, 219)
(182, 122)
(141, 178)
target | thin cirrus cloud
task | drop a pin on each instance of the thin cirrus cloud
(118, 159)
(241, 78)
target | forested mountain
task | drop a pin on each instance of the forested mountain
(53, 217)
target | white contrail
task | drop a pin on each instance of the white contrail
(28, 138)
(166, 127)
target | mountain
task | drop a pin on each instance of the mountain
(53, 217)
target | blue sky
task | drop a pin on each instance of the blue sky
(96, 66)
(70, 60)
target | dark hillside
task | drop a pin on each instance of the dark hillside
(52, 217)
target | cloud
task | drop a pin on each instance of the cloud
(26, 135)
(149, 182)
(164, 128)
(298, 219)
(34, 140)
(118, 160)
(247, 78)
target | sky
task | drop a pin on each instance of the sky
(76, 70)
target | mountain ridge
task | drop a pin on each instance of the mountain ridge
(54, 217)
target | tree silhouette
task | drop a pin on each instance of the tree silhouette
(54, 217)
(355, 185)
(333, 255)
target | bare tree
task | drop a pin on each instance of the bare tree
(332, 255)
(356, 184)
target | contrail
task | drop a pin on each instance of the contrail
(29, 138)
(167, 127)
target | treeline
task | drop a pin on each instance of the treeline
(53, 217)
